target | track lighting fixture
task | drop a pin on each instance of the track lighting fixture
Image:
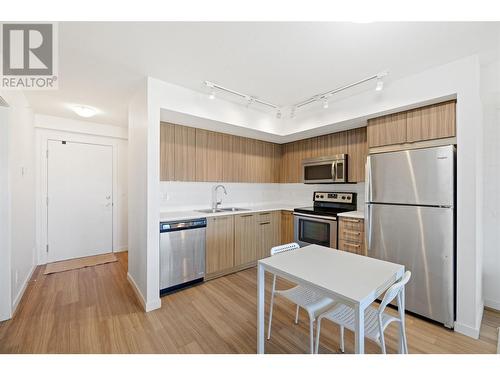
(325, 103)
(249, 99)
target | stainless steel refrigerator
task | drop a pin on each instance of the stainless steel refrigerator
(410, 220)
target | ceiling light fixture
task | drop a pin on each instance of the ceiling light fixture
(324, 96)
(84, 111)
(249, 99)
(380, 81)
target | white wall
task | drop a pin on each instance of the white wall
(490, 96)
(5, 297)
(21, 174)
(57, 128)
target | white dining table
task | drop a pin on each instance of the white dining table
(352, 279)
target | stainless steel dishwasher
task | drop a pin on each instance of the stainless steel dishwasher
(182, 253)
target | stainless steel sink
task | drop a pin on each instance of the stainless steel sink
(225, 209)
(234, 209)
(210, 211)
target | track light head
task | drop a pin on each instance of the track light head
(278, 114)
(212, 95)
(380, 81)
(325, 103)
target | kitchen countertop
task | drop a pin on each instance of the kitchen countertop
(193, 214)
(353, 214)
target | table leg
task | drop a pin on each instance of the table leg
(260, 308)
(359, 329)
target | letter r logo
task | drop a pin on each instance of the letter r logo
(27, 49)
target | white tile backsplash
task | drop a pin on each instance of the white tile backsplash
(180, 196)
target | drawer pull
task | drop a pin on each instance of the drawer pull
(352, 233)
(265, 222)
(351, 244)
(247, 215)
(351, 220)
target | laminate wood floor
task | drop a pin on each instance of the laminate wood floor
(94, 310)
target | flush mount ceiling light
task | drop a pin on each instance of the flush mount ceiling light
(84, 110)
(326, 95)
(248, 98)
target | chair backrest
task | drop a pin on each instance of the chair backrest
(394, 290)
(282, 248)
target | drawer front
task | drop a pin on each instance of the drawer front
(354, 236)
(352, 247)
(263, 217)
(351, 224)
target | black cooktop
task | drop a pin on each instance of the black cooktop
(319, 211)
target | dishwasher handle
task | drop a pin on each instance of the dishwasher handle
(173, 226)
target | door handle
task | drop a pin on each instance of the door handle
(334, 173)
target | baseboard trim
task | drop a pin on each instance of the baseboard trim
(20, 295)
(121, 249)
(492, 304)
(467, 330)
(147, 306)
(137, 292)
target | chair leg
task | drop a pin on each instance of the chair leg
(318, 332)
(382, 342)
(297, 315)
(403, 338)
(271, 310)
(311, 335)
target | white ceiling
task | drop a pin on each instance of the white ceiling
(102, 64)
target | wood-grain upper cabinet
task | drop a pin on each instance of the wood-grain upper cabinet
(357, 150)
(431, 122)
(245, 239)
(219, 244)
(286, 227)
(184, 152)
(167, 151)
(387, 130)
(268, 232)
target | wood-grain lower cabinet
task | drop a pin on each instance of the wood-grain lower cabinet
(268, 232)
(245, 239)
(219, 248)
(286, 227)
(352, 235)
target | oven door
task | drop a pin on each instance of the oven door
(311, 229)
(318, 172)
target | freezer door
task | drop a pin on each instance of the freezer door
(420, 177)
(422, 239)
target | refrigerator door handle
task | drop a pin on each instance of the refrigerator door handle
(368, 174)
(368, 226)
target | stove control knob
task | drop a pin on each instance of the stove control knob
(343, 196)
(322, 196)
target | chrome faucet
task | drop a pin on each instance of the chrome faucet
(216, 203)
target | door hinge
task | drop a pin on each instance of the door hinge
(47, 248)
(47, 200)
(47, 153)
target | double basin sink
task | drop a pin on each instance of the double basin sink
(226, 209)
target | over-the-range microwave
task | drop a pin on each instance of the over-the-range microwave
(325, 170)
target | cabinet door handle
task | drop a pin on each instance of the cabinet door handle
(266, 222)
(351, 244)
(248, 215)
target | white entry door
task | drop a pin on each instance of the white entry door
(80, 200)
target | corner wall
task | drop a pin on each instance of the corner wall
(21, 186)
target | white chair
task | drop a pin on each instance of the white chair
(376, 320)
(313, 302)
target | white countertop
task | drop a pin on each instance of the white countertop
(193, 214)
(353, 214)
